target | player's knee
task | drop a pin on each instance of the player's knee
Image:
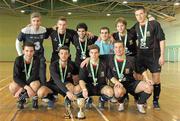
(35, 85)
(108, 91)
(119, 92)
(148, 89)
(13, 87)
(42, 92)
(77, 89)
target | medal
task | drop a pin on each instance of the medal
(25, 68)
(62, 75)
(94, 74)
(83, 51)
(144, 36)
(59, 38)
(120, 74)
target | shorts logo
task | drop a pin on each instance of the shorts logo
(89, 75)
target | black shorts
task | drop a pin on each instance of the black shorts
(95, 90)
(132, 60)
(55, 88)
(130, 86)
(149, 61)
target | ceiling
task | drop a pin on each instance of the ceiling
(163, 9)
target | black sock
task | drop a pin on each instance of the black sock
(157, 90)
(121, 99)
(143, 96)
(50, 97)
(104, 98)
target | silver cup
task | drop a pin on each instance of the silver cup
(81, 104)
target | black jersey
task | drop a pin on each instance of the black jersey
(86, 75)
(55, 74)
(131, 42)
(19, 75)
(154, 35)
(128, 70)
(76, 43)
(36, 37)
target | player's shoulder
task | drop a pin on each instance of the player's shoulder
(29, 30)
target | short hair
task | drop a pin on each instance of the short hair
(62, 18)
(94, 46)
(118, 41)
(139, 8)
(35, 14)
(106, 28)
(28, 44)
(82, 26)
(121, 20)
(64, 48)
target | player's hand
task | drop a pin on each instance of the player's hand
(85, 93)
(84, 63)
(161, 60)
(150, 82)
(111, 38)
(89, 35)
(118, 84)
(30, 92)
(54, 27)
(70, 95)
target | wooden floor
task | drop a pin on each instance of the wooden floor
(169, 100)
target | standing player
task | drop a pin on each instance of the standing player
(151, 47)
(62, 72)
(26, 76)
(121, 72)
(82, 42)
(104, 44)
(35, 34)
(94, 76)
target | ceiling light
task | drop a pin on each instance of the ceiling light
(125, 2)
(108, 14)
(22, 11)
(69, 13)
(74, 0)
(177, 2)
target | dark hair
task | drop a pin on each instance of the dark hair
(64, 48)
(121, 20)
(139, 8)
(82, 26)
(106, 28)
(118, 41)
(62, 18)
(28, 44)
(93, 46)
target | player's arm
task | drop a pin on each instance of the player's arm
(82, 84)
(19, 47)
(162, 49)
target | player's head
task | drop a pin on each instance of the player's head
(104, 33)
(64, 53)
(94, 52)
(119, 49)
(141, 14)
(36, 19)
(81, 29)
(28, 50)
(62, 24)
(121, 24)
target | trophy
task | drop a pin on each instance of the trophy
(81, 104)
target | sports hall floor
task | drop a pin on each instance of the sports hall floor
(169, 100)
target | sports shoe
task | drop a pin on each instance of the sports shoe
(121, 107)
(140, 108)
(50, 104)
(101, 104)
(89, 103)
(21, 103)
(156, 105)
(35, 104)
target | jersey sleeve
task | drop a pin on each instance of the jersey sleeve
(159, 32)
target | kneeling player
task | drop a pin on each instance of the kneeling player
(121, 72)
(26, 76)
(93, 78)
(62, 71)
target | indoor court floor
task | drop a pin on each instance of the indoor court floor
(169, 102)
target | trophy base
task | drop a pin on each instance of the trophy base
(80, 118)
(67, 116)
